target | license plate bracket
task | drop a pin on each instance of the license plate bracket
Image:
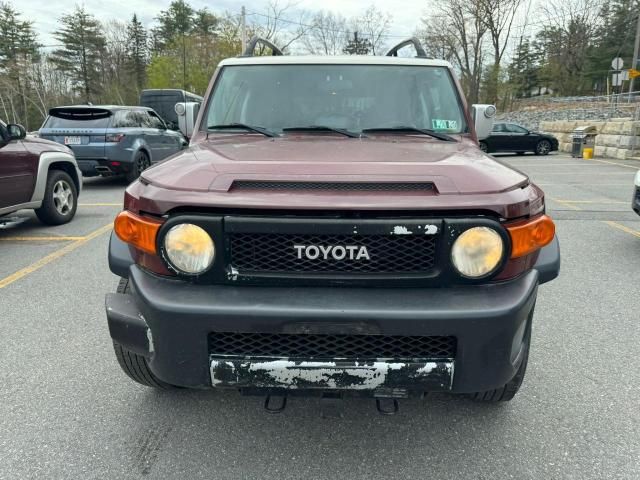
(73, 140)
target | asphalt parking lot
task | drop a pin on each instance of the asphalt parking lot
(67, 411)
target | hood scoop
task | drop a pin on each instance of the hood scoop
(288, 186)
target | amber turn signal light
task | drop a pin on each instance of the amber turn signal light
(531, 235)
(137, 231)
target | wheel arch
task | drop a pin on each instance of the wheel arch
(144, 149)
(141, 146)
(55, 161)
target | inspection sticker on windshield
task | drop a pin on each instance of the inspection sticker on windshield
(438, 124)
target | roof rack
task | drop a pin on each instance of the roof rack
(420, 53)
(251, 47)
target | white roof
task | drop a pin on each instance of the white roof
(333, 60)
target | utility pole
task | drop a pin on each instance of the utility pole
(184, 62)
(636, 52)
(243, 29)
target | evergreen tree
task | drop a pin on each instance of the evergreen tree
(358, 45)
(83, 47)
(614, 38)
(178, 19)
(137, 51)
(18, 51)
(524, 70)
(17, 38)
(205, 23)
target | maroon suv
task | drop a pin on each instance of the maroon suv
(37, 174)
(332, 227)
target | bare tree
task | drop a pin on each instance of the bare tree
(326, 35)
(458, 32)
(374, 25)
(114, 61)
(274, 25)
(497, 17)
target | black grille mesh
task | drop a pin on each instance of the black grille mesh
(289, 345)
(388, 253)
(335, 186)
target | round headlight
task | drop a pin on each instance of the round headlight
(189, 249)
(477, 252)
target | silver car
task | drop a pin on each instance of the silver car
(112, 140)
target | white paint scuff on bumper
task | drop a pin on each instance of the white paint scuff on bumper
(331, 375)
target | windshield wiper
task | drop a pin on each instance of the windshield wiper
(424, 131)
(323, 128)
(243, 126)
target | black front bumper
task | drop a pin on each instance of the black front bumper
(635, 201)
(169, 321)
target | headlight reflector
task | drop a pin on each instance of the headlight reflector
(189, 249)
(477, 252)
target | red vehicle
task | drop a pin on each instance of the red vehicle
(37, 174)
(333, 227)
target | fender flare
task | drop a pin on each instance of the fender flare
(548, 263)
(46, 160)
(120, 258)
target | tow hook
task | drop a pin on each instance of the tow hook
(387, 406)
(275, 407)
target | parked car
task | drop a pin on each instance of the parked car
(509, 137)
(112, 140)
(164, 100)
(37, 174)
(635, 203)
(326, 234)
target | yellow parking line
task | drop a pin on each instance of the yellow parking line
(564, 203)
(40, 239)
(100, 204)
(623, 228)
(53, 256)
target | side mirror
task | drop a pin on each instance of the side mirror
(187, 114)
(16, 132)
(483, 119)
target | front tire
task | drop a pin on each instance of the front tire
(60, 199)
(543, 147)
(484, 147)
(135, 366)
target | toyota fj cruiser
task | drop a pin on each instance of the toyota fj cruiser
(332, 227)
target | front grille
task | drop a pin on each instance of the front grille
(388, 254)
(291, 345)
(335, 186)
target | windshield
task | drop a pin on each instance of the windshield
(351, 97)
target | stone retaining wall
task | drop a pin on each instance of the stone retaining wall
(617, 138)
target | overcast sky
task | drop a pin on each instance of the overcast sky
(44, 13)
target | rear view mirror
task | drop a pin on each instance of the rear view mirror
(16, 132)
(483, 119)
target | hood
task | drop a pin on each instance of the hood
(37, 145)
(454, 168)
(204, 175)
